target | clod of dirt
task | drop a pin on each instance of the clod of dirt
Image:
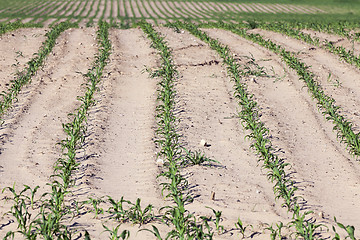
(213, 196)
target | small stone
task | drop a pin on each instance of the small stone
(160, 161)
(203, 142)
(321, 215)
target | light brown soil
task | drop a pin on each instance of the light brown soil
(119, 156)
(93, 10)
(57, 10)
(207, 107)
(128, 8)
(136, 9)
(74, 7)
(101, 10)
(81, 7)
(121, 8)
(87, 10)
(177, 9)
(348, 44)
(155, 8)
(31, 11)
(319, 159)
(170, 9)
(161, 8)
(194, 8)
(17, 48)
(146, 6)
(35, 123)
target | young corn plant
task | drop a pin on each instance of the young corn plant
(10, 95)
(325, 103)
(11, 26)
(52, 205)
(184, 223)
(284, 187)
(289, 30)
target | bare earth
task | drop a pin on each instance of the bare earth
(119, 157)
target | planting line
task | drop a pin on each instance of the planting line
(11, 26)
(284, 187)
(185, 223)
(344, 54)
(33, 65)
(53, 210)
(326, 104)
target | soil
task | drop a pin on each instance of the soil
(120, 159)
(17, 48)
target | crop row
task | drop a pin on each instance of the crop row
(326, 104)
(131, 10)
(284, 187)
(290, 30)
(341, 28)
(51, 208)
(8, 27)
(24, 77)
(185, 224)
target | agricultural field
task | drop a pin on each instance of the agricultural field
(129, 119)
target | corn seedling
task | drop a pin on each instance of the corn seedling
(52, 205)
(196, 158)
(241, 227)
(350, 230)
(217, 220)
(276, 233)
(95, 202)
(185, 223)
(114, 235)
(9, 96)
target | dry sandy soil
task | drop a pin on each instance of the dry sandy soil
(119, 156)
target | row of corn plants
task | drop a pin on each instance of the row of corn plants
(186, 225)
(24, 77)
(51, 208)
(284, 187)
(325, 103)
(341, 28)
(289, 30)
(11, 26)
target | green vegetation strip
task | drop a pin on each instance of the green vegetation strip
(33, 65)
(290, 30)
(48, 223)
(185, 224)
(11, 26)
(325, 103)
(341, 28)
(284, 187)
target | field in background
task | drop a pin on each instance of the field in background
(87, 12)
